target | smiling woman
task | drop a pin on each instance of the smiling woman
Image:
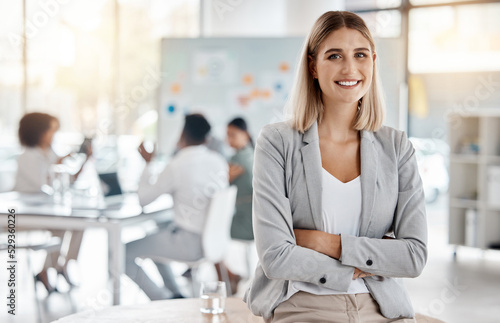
(336, 51)
(337, 196)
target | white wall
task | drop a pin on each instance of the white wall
(301, 15)
(260, 18)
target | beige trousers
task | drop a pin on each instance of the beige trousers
(353, 308)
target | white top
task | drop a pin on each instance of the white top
(192, 177)
(33, 167)
(341, 215)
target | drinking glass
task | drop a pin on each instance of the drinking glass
(213, 297)
(59, 181)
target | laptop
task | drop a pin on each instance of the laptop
(111, 189)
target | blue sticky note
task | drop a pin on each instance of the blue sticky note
(170, 108)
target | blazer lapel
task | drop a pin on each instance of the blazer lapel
(311, 159)
(369, 168)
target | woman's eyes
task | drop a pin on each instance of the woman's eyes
(337, 56)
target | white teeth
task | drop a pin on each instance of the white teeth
(348, 83)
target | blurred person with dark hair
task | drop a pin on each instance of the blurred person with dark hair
(240, 174)
(211, 142)
(36, 133)
(194, 174)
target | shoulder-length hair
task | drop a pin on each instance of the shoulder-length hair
(305, 105)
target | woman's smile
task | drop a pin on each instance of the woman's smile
(348, 84)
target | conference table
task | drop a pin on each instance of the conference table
(175, 310)
(38, 211)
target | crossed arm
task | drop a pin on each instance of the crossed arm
(326, 243)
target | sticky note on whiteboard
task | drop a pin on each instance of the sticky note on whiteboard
(494, 186)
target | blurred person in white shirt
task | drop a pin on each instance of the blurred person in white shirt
(192, 177)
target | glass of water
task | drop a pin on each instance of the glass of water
(213, 297)
(59, 182)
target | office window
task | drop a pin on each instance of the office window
(371, 4)
(455, 39)
(70, 65)
(85, 60)
(142, 25)
(383, 24)
(424, 2)
(11, 71)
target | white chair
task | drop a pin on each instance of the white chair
(216, 235)
(249, 246)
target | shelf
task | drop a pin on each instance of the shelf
(470, 174)
(493, 208)
(465, 159)
(474, 159)
(463, 203)
(492, 159)
(481, 112)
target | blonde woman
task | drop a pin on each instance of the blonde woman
(338, 203)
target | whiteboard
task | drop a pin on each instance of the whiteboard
(223, 78)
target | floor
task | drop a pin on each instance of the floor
(457, 291)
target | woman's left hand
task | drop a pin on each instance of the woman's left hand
(326, 243)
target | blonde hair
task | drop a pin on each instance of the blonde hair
(304, 105)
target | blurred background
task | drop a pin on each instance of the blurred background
(115, 70)
(86, 62)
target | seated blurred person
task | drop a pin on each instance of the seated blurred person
(36, 131)
(194, 174)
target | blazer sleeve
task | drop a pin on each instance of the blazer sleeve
(279, 255)
(407, 254)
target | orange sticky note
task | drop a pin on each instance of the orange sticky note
(176, 88)
(247, 79)
(284, 67)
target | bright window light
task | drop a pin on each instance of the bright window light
(455, 39)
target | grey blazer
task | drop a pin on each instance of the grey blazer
(287, 195)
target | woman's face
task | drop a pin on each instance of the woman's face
(48, 136)
(343, 66)
(236, 138)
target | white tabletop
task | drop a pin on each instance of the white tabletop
(119, 207)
